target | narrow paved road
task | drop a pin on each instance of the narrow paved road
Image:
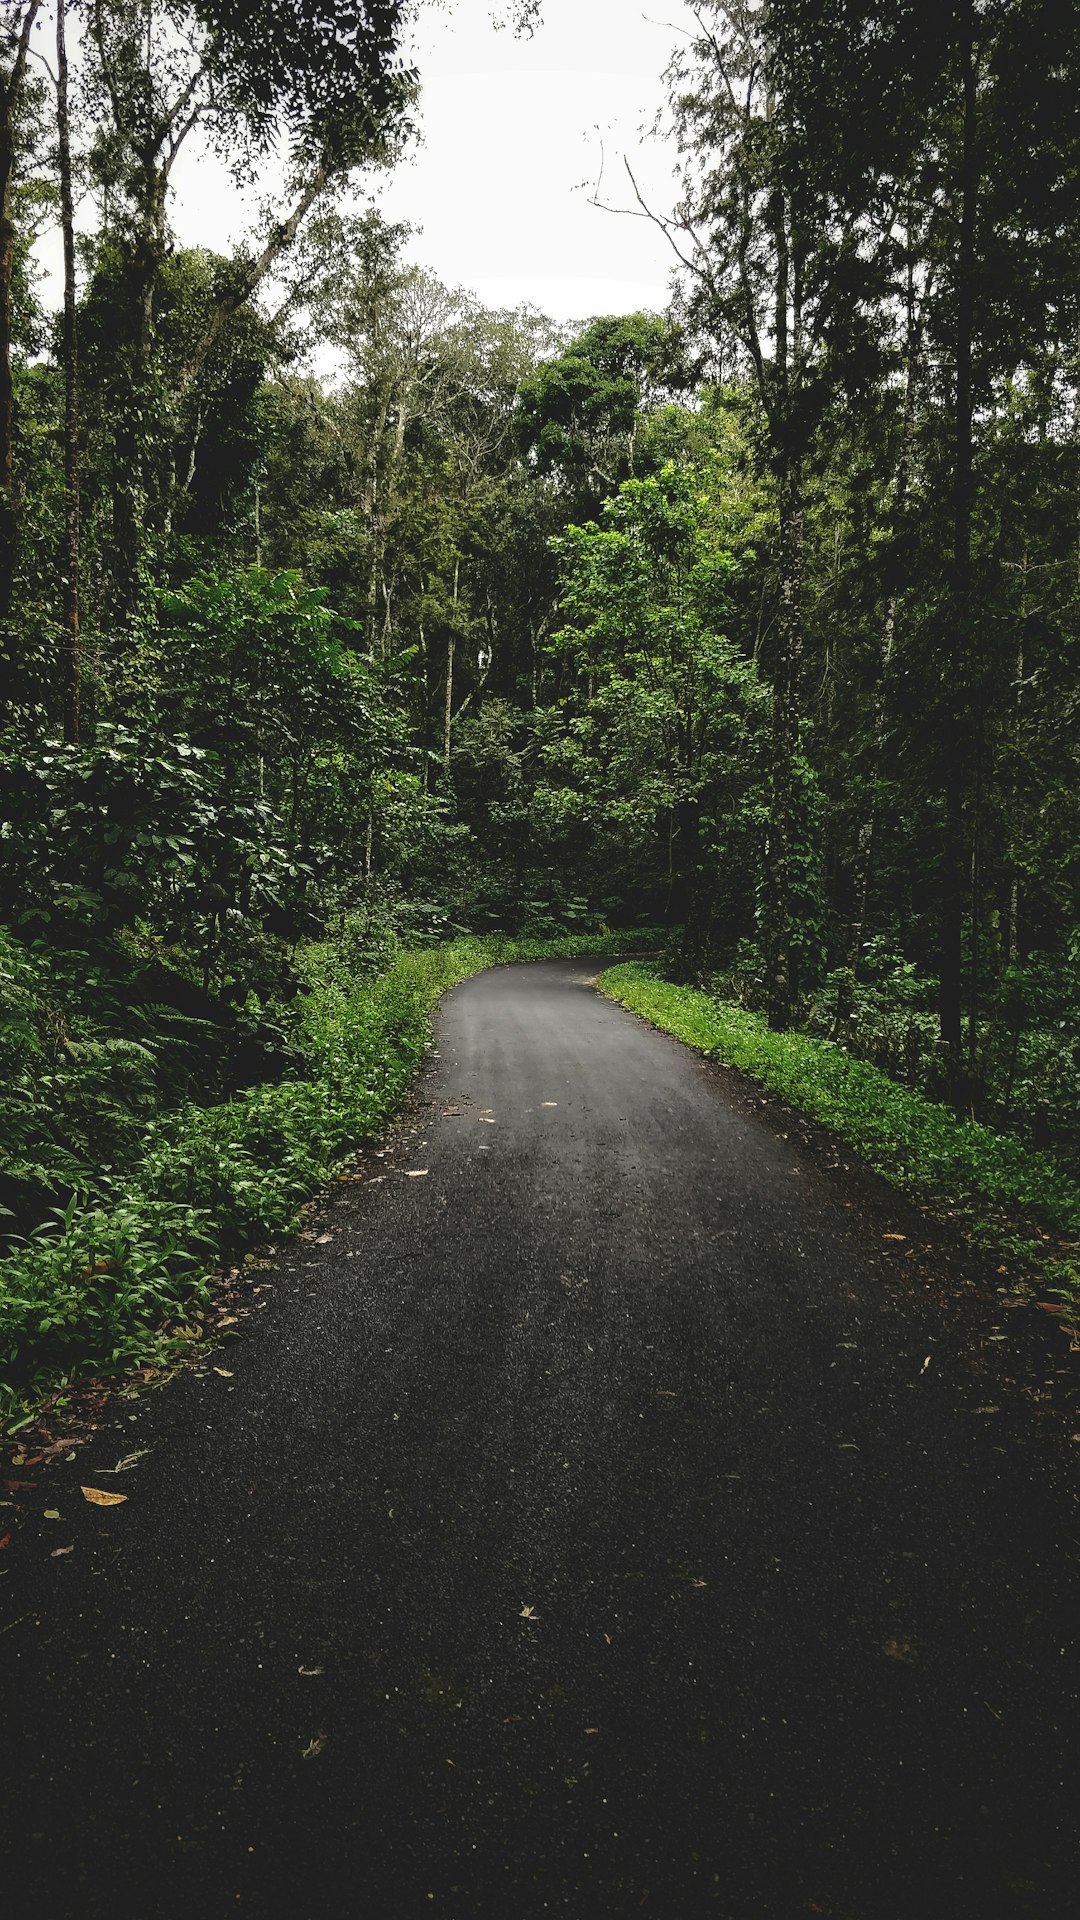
(578, 1532)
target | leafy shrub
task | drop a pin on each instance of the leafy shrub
(891, 1019)
(98, 1281)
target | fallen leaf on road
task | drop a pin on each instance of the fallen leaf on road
(926, 1363)
(901, 1649)
(894, 1236)
(314, 1746)
(99, 1499)
(19, 1486)
(51, 1513)
(227, 1320)
(310, 1673)
(1048, 1306)
(528, 1613)
(416, 1173)
(224, 1372)
(6, 1541)
(592, 1729)
(486, 1120)
(323, 1239)
(57, 1551)
(549, 1103)
(986, 1409)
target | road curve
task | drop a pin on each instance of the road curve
(604, 1519)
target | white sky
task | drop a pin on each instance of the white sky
(515, 132)
(515, 135)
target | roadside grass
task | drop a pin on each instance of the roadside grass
(117, 1278)
(1003, 1197)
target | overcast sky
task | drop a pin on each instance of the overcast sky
(515, 132)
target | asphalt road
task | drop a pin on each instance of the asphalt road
(605, 1518)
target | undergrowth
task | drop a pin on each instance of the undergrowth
(999, 1192)
(102, 1282)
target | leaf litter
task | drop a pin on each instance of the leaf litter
(129, 1460)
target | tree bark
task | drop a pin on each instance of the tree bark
(9, 529)
(451, 642)
(954, 743)
(780, 984)
(69, 566)
(864, 859)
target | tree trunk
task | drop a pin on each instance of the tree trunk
(448, 697)
(864, 861)
(69, 565)
(954, 744)
(451, 642)
(787, 683)
(785, 745)
(132, 490)
(9, 95)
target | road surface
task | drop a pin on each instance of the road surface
(598, 1514)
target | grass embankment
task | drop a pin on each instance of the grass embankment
(103, 1285)
(1002, 1195)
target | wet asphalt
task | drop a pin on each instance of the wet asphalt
(596, 1514)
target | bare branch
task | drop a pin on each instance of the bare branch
(11, 91)
(234, 297)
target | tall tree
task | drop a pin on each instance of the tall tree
(15, 31)
(328, 75)
(781, 273)
(69, 558)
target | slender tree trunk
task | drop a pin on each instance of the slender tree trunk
(70, 549)
(864, 861)
(780, 985)
(448, 697)
(451, 642)
(425, 706)
(132, 489)
(955, 744)
(1012, 932)
(9, 97)
(787, 684)
(975, 939)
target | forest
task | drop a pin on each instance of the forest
(745, 634)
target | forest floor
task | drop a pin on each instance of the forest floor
(615, 1501)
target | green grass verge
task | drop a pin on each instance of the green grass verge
(98, 1286)
(1002, 1195)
